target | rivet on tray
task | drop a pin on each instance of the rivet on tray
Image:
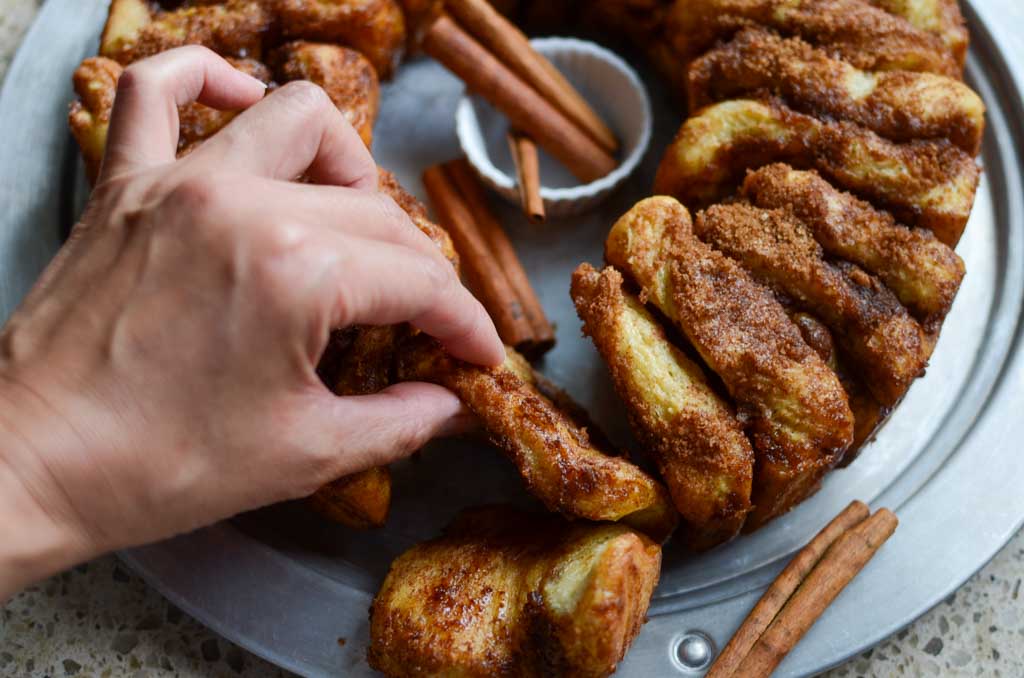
(693, 651)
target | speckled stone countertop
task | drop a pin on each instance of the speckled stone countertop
(99, 620)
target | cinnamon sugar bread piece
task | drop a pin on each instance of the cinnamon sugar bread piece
(897, 105)
(922, 272)
(136, 29)
(866, 36)
(555, 456)
(794, 406)
(690, 431)
(375, 28)
(925, 183)
(867, 320)
(505, 592)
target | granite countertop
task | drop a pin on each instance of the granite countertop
(99, 620)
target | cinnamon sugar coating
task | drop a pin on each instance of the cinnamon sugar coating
(794, 407)
(690, 431)
(924, 183)
(555, 457)
(866, 319)
(924, 273)
(854, 30)
(508, 593)
(897, 105)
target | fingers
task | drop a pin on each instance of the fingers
(144, 121)
(295, 130)
(359, 432)
(379, 283)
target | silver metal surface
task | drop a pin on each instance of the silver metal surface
(287, 586)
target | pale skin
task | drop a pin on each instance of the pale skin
(160, 376)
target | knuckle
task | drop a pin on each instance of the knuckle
(410, 438)
(197, 194)
(308, 98)
(441, 277)
(391, 215)
(134, 76)
(281, 238)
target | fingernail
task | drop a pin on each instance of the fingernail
(257, 81)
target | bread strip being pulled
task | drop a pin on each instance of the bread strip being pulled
(866, 318)
(924, 273)
(555, 457)
(930, 184)
(866, 36)
(898, 105)
(504, 592)
(693, 435)
(797, 411)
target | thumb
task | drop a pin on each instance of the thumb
(359, 432)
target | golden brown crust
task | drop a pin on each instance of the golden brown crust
(940, 17)
(923, 273)
(693, 435)
(898, 105)
(868, 413)
(235, 28)
(509, 593)
(854, 30)
(798, 416)
(346, 75)
(555, 457)
(374, 27)
(885, 343)
(95, 83)
(360, 501)
(924, 183)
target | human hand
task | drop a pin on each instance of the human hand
(161, 374)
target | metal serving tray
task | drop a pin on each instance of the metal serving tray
(288, 586)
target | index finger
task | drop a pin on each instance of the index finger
(296, 130)
(144, 121)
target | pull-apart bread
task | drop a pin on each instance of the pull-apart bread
(797, 263)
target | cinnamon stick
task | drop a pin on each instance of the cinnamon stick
(841, 563)
(524, 155)
(525, 108)
(782, 588)
(543, 335)
(483, 273)
(513, 48)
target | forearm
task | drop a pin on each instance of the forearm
(36, 541)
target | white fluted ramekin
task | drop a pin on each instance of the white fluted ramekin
(608, 84)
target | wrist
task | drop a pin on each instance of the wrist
(38, 537)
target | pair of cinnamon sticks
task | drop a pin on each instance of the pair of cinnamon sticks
(489, 262)
(802, 592)
(495, 60)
